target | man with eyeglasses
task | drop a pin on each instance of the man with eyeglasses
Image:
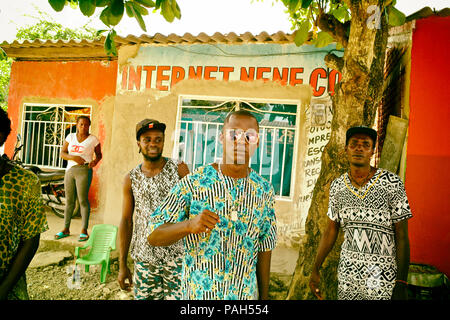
(371, 206)
(225, 214)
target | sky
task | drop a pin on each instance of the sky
(208, 16)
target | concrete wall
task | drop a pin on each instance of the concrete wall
(145, 92)
(72, 83)
(428, 155)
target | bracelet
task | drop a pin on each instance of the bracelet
(401, 281)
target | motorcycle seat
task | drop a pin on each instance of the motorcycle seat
(47, 176)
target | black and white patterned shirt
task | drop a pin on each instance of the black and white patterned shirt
(148, 194)
(367, 266)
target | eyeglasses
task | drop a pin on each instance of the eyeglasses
(251, 136)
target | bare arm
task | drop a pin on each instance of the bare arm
(66, 156)
(98, 156)
(169, 233)
(25, 253)
(402, 258)
(263, 273)
(125, 234)
(326, 244)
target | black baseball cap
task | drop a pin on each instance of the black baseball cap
(361, 129)
(149, 124)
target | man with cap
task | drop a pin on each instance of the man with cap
(157, 270)
(371, 206)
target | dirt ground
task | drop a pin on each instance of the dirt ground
(58, 282)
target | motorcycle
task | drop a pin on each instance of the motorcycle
(52, 184)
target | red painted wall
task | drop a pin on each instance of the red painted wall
(65, 80)
(428, 157)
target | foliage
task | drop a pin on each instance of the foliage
(45, 29)
(330, 20)
(5, 70)
(113, 10)
(50, 30)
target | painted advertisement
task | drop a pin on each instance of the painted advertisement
(162, 67)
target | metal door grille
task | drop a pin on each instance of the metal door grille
(200, 123)
(44, 129)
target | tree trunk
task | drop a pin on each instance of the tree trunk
(354, 103)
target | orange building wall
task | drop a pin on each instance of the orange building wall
(427, 177)
(75, 81)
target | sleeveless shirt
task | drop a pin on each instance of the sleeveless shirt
(148, 193)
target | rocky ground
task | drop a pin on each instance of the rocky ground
(55, 280)
(50, 277)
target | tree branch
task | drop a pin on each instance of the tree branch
(334, 62)
(333, 26)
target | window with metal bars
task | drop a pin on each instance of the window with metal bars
(44, 130)
(200, 121)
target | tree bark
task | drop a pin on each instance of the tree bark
(354, 103)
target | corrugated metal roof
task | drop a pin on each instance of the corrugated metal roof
(428, 12)
(158, 38)
(93, 49)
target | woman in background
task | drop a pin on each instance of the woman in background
(79, 149)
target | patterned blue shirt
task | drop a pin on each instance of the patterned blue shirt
(222, 264)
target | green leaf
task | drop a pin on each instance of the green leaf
(110, 45)
(166, 10)
(117, 8)
(57, 5)
(2, 54)
(176, 9)
(306, 3)
(139, 19)
(104, 16)
(158, 4)
(110, 19)
(146, 3)
(301, 35)
(87, 7)
(341, 14)
(396, 17)
(323, 39)
(139, 9)
(293, 5)
(102, 3)
(129, 9)
(99, 32)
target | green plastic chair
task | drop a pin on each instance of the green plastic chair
(102, 240)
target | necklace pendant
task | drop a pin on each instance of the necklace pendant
(234, 215)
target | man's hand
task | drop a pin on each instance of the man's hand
(204, 222)
(124, 274)
(314, 284)
(183, 169)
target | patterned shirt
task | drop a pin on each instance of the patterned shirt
(148, 193)
(367, 266)
(222, 264)
(22, 215)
